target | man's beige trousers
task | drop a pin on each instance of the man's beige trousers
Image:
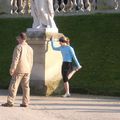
(22, 79)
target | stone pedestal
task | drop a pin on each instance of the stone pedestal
(5, 6)
(46, 73)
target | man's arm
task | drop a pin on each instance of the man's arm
(15, 59)
(31, 65)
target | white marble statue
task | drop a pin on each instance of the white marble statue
(43, 14)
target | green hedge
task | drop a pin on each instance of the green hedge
(96, 40)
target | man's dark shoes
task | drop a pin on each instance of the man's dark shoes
(7, 105)
(22, 105)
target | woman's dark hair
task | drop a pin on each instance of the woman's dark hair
(64, 40)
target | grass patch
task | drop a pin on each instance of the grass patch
(96, 40)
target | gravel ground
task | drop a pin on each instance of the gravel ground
(77, 107)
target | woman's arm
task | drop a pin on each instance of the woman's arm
(53, 46)
(75, 58)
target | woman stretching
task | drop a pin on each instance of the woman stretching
(68, 55)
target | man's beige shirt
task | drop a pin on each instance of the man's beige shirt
(22, 61)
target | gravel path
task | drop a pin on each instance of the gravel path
(77, 107)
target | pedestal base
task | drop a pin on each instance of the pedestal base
(46, 73)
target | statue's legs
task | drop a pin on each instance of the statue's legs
(35, 22)
(34, 13)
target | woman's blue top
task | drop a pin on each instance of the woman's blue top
(68, 53)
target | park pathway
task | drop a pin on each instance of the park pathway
(77, 107)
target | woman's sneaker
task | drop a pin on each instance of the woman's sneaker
(66, 95)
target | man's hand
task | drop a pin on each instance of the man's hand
(12, 72)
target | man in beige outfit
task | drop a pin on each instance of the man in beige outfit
(20, 70)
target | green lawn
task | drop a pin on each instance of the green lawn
(96, 40)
